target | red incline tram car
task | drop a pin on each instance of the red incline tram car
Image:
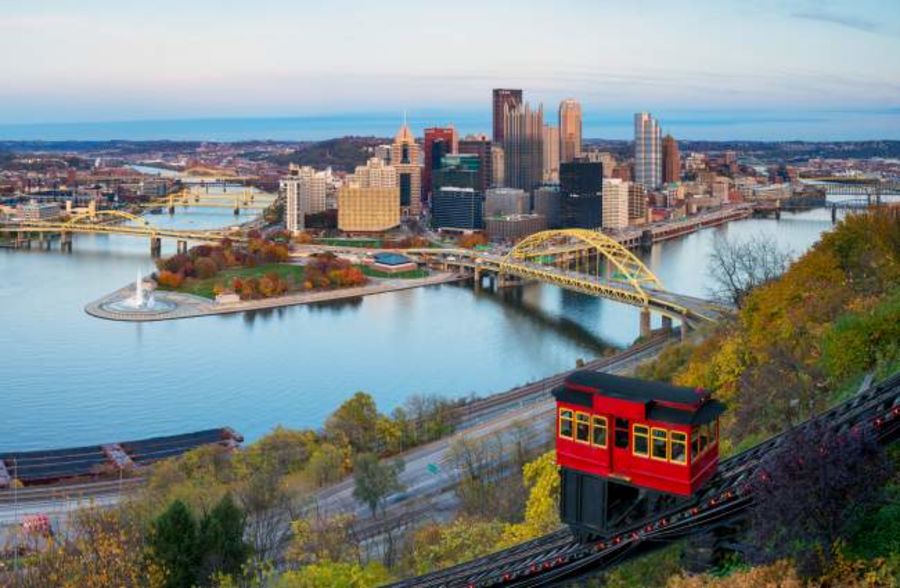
(628, 448)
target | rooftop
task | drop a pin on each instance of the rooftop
(391, 259)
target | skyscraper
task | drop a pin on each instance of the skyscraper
(502, 100)
(304, 189)
(375, 174)
(581, 185)
(458, 170)
(615, 204)
(551, 154)
(405, 159)
(569, 130)
(523, 146)
(671, 160)
(498, 165)
(647, 151)
(439, 141)
(457, 208)
(481, 146)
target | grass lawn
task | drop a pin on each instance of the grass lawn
(408, 275)
(292, 274)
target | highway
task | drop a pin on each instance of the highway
(429, 477)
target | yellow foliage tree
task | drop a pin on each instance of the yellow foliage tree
(104, 549)
(542, 507)
(335, 575)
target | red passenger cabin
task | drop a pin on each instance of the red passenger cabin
(622, 441)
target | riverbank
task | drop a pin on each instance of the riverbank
(190, 306)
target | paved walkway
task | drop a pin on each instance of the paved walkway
(189, 306)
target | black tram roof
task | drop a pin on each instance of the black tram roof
(663, 402)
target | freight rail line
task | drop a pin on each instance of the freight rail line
(549, 558)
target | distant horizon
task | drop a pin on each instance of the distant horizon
(772, 125)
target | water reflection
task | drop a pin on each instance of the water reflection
(70, 379)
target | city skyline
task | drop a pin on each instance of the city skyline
(121, 64)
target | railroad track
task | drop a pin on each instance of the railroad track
(552, 557)
(476, 411)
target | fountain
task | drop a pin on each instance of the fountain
(142, 301)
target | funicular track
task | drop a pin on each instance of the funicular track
(727, 496)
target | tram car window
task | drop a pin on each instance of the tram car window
(621, 440)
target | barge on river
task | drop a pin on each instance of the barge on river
(55, 466)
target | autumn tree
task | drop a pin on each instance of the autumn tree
(205, 267)
(318, 538)
(103, 547)
(326, 465)
(345, 575)
(542, 507)
(354, 423)
(375, 481)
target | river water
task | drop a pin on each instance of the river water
(68, 379)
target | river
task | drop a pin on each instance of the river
(70, 379)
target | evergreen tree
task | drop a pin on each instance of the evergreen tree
(174, 545)
(221, 539)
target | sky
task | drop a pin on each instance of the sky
(107, 60)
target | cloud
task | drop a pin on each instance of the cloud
(852, 22)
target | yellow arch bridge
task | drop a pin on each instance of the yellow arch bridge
(583, 261)
(110, 222)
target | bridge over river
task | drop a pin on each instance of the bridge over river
(579, 260)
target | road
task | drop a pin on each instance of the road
(429, 476)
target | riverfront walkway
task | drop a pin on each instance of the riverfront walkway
(190, 306)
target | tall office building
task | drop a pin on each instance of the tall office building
(458, 170)
(438, 142)
(551, 154)
(647, 151)
(375, 174)
(457, 208)
(368, 209)
(547, 203)
(523, 146)
(498, 165)
(581, 177)
(671, 160)
(383, 152)
(405, 159)
(615, 204)
(304, 189)
(505, 201)
(569, 130)
(480, 146)
(581, 185)
(502, 101)
(637, 204)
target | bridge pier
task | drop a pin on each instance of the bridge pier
(23, 240)
(182, 246)
(645, 322)
(667, 324)
(171, 209)
(65, 242)
(155, 246)
(237, 210)
(833, 213)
